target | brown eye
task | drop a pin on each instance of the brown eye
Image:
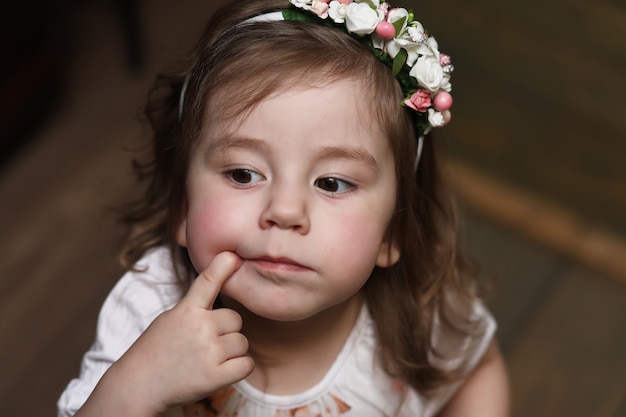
(333, 185)
(243, 176)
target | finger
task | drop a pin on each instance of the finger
(227, 320)
(236, 369)
(233, 345)
(207, 285)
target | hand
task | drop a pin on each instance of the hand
(191, 351)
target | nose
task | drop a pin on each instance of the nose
(286, 208)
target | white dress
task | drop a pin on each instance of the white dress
(354, 386)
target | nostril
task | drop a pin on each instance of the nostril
(286, 207)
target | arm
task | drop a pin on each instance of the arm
(485, 392)
(184, 355)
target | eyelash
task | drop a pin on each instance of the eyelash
(232, 173)
(335, 181)
(334, 185)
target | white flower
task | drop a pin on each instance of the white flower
(433, 49)
(433, 45)
(435, 118)
(407, 38)
(302, 4)
(398, 14)
(416, 33)
(446, 85)
(373, 3)
(320, 8)
(413, 49)
(337, 11)
(361, 19)
(428, 73)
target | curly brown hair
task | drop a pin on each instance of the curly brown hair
(235, 66)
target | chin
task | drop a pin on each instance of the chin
(279, 314)
(269, 310)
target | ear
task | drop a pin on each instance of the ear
(388, 255)
(181, 231)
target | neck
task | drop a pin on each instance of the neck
(291, 357)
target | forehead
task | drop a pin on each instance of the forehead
(331, 116)
(343, 99)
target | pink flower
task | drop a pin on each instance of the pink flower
(419, 101)
(320, 7)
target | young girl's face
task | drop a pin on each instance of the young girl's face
(302, 189)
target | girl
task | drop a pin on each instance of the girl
(293, 175)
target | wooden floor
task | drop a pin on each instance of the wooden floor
(562, 319)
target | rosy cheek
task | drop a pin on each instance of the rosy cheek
(353, 230)
(210, 230)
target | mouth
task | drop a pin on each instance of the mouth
(278, 264)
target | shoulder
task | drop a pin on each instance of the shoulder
(377, 390)
(485, 391)
(146, 291)
(134, 302)
(460, 351)
(465, 348)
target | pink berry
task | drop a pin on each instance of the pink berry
(442, 101)
(385, 30)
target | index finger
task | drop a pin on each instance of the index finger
(207, 285)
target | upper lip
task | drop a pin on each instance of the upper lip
(281, 259)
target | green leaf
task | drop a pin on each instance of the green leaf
(299, 15)
(398, 62)
(399, 24)
(296, 15)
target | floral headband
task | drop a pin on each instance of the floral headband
(399, 41)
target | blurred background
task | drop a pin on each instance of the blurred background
(537, 145)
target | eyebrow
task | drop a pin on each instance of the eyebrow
(355, 154)
(359, 155)
(221, 145)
